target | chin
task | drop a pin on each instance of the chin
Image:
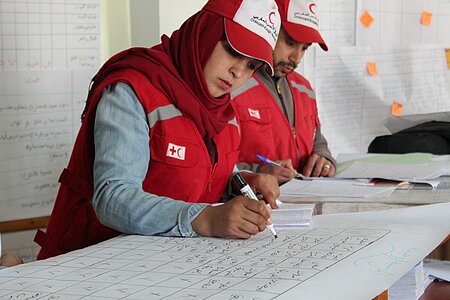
(217, 94)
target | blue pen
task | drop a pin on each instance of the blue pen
(272, 163)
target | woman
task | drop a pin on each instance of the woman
(158, 128)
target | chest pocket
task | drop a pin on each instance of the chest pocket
(259, 115)
(174, 151)
(255, 122)
(176, 169)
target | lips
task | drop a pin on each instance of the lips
(287, 69)
(224, 84)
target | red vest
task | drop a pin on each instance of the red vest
(180, 168)
(265, 130)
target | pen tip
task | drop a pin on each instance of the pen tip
(276, 236)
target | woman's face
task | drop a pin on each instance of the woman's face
(226, 69)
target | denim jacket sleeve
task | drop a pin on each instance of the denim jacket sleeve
(122, 156)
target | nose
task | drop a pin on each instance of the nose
(240, 68)
(297, 55)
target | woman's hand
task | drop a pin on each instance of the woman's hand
(241, 217)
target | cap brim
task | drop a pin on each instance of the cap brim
(305, 34)
(248, 43)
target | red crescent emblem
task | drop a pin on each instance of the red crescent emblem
(312, 8)
(178, 152)
(270, 17)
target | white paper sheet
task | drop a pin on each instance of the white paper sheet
(337, 22)
(395, 124)
(292, 215)
(39, 118)
(353, 105)
(49, 52)
(352, 256)
(49, 35)
(412, 167)
(398, 23)
(319, 189)
(438, 268)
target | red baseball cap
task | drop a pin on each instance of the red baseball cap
(300, 20)
(251, 26)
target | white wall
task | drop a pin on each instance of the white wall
(140, 23)
(115, 27)
(171, 19)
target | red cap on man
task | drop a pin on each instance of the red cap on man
(299, 18)
(251, 26)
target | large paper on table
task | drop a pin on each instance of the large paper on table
(351, 256)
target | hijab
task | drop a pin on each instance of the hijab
(176, 66)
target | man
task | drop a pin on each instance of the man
(278, 115)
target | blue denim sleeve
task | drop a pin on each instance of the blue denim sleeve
(122, 156)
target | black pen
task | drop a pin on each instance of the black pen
(247, 191)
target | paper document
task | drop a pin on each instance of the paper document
(304, 188)
(438, 268)
(396, 124)
(292, 215)
(349, 256)
(412, 285)
(412, 167)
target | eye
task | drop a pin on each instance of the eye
(254, 64)
(291, 43)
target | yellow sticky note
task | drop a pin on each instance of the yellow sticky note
(447, 56)
(366, 19)
(372, 68)
(396, 109)
(426, 18)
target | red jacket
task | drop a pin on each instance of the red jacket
(180, 167)
(265, 130)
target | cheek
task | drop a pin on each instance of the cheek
(242, 79)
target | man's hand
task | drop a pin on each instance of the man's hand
(318, 166)
(283, 174)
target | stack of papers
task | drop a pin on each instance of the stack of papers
(412, 285)
(412, 167)
(292, 215)
(330, 188)
(438, 269)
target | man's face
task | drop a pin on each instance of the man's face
(287, 54)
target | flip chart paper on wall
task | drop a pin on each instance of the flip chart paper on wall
(399, 24)
(48, 55)
(40, 116)
(352, 106)
(337, 22)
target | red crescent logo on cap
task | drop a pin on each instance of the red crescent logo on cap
(312, 8)
(270, 17)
